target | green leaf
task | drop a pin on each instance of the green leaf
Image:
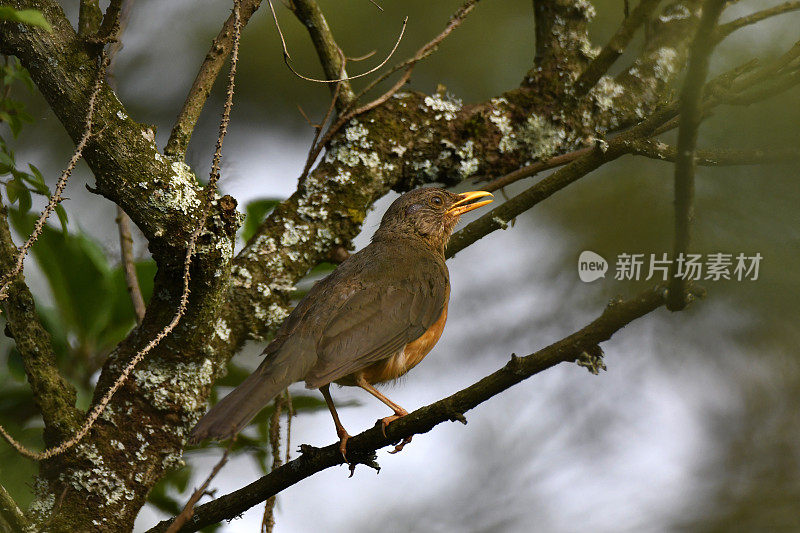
(256, 211)
(78, 274)
(14, 364)
(7, 163)
(34, 185)
(122, 316)
(62, 217)
(36, 173)
(17, 192)
(25, 200)
(32, 17)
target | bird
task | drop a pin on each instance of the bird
(374, 318)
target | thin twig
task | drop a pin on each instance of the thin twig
(188, 509)
(268, 520)
(723, 30)
(128, 264)
(615, 47)
(61, 184)
(289, 415)
(287, 60)
(328, 51)
(771, 87)
(316, 148)
(201, 87)
(334, 129)
(691, 115)
(535, 168)
(278, 27)
(210, 191)
(717, 157)
(429, 47)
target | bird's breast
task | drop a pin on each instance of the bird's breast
(407, 358)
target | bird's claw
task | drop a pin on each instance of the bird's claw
(400, 446)
(388, 420)
(343, 438)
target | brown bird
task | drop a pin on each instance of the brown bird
(370, 321)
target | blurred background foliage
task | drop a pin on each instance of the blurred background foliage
(720, 383)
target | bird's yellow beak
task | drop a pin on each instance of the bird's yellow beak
(466, 203)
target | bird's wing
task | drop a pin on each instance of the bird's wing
(376, 321)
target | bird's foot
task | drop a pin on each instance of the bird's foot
(400, 413)
(343, 438)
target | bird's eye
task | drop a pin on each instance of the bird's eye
(437, 201)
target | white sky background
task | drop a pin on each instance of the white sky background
(562, 451)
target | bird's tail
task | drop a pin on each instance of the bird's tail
(234, 411)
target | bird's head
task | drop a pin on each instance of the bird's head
(430, 213)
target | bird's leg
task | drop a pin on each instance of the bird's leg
(399, 412)
(340, 431)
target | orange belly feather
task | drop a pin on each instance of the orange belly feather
(409, 357)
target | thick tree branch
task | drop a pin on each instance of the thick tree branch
(639, 89)
(691, 115)
(204, 81)
(362, 447)
(615, 47)
(562, 39)
(160, 197)
(54, 396)
(329, 53)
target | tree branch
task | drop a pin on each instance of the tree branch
(128, 264)
(89, 17)
(716, 157)
(122, 155)
(11, 513)
(639, 89)
(499, 217)
(691, 115)
(532, 170)
(562, 37)
(615, 47)
(723, 30)
(54, 396)
(771, 87)
(362, 447)
(204, 81)
(329, 53)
